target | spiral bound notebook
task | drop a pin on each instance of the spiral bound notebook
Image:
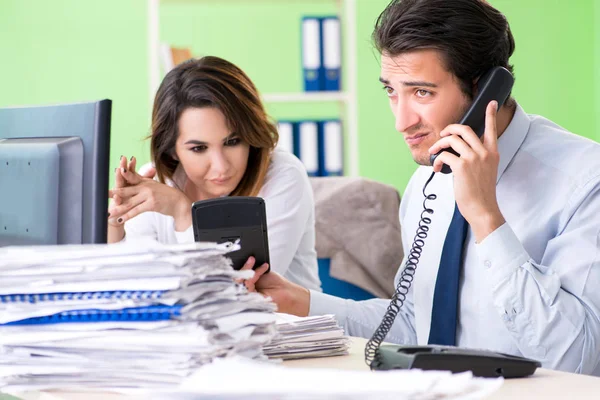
(150, 313)
(82, 296)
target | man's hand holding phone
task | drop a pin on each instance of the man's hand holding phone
(475, 172)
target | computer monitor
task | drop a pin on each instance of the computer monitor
(54, 173)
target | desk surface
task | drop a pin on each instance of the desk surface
(544, 384)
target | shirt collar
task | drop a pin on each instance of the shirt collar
(512, 138)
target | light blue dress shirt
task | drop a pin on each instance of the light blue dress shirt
(532, 287)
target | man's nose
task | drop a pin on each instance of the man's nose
(406, 117)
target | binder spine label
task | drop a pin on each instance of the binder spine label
(332, 54)
(311, 54)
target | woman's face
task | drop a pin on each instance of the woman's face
(213, 158)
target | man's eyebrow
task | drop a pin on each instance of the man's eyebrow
(411, 83)
(419, 83)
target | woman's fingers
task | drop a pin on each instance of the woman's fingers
(127, 192)
(129, 209)
(117, 207)
(247, 265)
(258, 273)
(133, 212)
(126, 169)
(131, 177)
(113, 208)
(124, 206)
(119, 180)
(123, 162)
(132, 164)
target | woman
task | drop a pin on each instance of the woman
(211, 137)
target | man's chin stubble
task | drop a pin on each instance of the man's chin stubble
(422, 160)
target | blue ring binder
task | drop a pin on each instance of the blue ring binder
(149, 313)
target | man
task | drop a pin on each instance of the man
(530, 261)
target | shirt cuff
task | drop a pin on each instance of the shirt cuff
(502, 253)
(186, 236)
(323, 304)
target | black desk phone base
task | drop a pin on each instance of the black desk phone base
(482, 363)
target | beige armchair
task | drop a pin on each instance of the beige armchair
(358, 229)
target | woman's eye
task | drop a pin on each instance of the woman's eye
(198, 149)
(233, 142)
(389, 91)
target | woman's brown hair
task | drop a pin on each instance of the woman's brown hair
(212, 82)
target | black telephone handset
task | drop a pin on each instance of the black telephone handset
(496, 84)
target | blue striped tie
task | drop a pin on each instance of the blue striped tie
(445, 298)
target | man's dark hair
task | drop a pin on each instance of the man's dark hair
(471, 35)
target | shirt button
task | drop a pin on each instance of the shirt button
(487, 263)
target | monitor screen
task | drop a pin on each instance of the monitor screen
(54, 173)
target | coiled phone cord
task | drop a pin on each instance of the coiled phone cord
(404, 282)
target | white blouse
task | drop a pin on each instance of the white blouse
(290, 210)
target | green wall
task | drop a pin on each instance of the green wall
(72, 50)
(60, 51)
(554, 64)
(597, 65)
(234, 31)
(554, 60)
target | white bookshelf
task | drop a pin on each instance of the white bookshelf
(347, 98)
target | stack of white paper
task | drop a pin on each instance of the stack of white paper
(298, 337)
(123, 316)
(258, 380)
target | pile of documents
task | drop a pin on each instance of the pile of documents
(259, 380)
(123, 316)
(297, 337)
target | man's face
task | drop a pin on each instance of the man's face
(424, 97)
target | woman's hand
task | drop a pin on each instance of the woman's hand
(120, 182)
(289, 297)
(116, 231)
(140, 194)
